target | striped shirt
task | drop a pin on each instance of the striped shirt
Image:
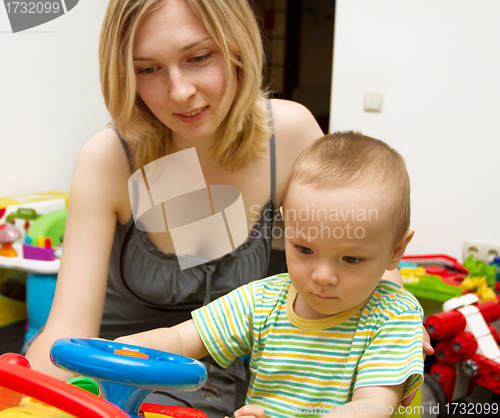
(305, 368)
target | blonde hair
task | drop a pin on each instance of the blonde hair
(344, 158)
(243, 133)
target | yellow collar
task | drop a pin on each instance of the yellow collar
(317, 324)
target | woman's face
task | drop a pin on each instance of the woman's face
(181, 73)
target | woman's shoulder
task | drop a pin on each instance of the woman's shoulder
(103, 145)
(294, 118)
(104, 152)
(295, 128)
(293, 108)
(102, 164)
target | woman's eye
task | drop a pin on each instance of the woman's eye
(200, 58)
(351, 260)
(149, 70)
(304, 250)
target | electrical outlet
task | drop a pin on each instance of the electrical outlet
(484, 251)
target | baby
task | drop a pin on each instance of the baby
(329, 336)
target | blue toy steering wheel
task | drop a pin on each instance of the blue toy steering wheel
(128, 364)
(127, 373)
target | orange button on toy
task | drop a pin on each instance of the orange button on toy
(130, 353)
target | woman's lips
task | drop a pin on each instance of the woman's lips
(192, 116)
(196, 112)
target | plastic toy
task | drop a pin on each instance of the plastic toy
(151, 410)
(41, 203)
(448, 277)
(440, 277)
(431, 287)
(33, 252)
(127, 374)
(53, 398)
(436, 260)
(44, 202)
(50, 226)
(496, 263)
(479, 269)
(467, 352)
(479, 286)
(126, 365)
(8, 234)
(46, 233)
(450, 323)
(85, 383)
(50, 393)
(432, 277)
(41, 265)
(23, 213)
(412, 273)
(9, 398)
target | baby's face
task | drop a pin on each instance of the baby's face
(338, 245)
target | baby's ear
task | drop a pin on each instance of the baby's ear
(400, 249)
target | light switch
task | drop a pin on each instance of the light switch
(373, 101)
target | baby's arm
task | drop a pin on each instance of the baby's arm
(373, 401)
(367, 402)
(182, 339)
(395, 277)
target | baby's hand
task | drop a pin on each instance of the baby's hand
(250, 411)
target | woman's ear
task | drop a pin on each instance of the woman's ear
(399, 250)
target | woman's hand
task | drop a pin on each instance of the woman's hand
(250, 411)
(428, 349)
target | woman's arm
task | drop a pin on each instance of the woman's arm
(295, 128)
(97, 197)
(393, 276)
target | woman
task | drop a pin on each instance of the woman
(175, 74)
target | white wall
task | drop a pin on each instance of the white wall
(50, 98)
(438, 65)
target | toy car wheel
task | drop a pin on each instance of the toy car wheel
(433, 398)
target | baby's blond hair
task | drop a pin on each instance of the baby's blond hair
(345, 158)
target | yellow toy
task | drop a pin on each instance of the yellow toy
(478, 286)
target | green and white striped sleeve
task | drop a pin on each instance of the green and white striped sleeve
(224, 325)
(395, 354)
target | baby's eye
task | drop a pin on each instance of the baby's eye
(304, 250)
(351, 260)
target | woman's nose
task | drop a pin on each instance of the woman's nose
(325, 274)
(181, 87)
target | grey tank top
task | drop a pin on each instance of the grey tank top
(147, 289)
